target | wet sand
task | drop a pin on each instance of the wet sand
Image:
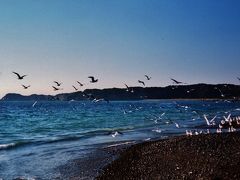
(211, 156)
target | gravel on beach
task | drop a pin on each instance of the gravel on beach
(208, 156)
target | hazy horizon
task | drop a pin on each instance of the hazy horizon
(117, 42)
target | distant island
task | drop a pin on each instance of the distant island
(195, 91)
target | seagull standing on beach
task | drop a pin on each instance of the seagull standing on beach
(93, 80)
(141, 82)
(25, 87)
(148, 77)
(19, 76)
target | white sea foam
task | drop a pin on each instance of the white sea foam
(5, 146)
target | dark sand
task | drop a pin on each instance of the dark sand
(212, 156)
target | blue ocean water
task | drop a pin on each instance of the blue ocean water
(36, 138)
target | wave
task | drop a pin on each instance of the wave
(11, 145)
(67, 137)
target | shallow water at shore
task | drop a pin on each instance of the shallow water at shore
(36, 140)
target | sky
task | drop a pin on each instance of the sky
(117, 41)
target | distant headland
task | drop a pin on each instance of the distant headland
(195, 91)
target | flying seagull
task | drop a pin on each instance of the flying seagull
(80, 83)
(209, 122)
(220, 92)
(57, 83)
(55, 88)
(238, 78)
(25, 87)
(93, 80)
(128, 89)
(177, 82)
(148, 78)
(141, 82)
(75, 88)
(19, 76)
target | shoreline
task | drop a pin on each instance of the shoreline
(207, 156)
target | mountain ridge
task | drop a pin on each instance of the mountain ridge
(194, 91)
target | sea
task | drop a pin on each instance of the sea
(38, 137)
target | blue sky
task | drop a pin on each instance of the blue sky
(118, 42)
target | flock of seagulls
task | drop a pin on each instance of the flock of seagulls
(20, 77)
(57, 85)
(227, 123)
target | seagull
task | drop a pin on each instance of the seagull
(128, 89)
(55, 88)
(98, 100)
(238, 78)
(93, 80)
(19, 76)
(177, 82)
(220, 92)
(75, 88)
(211, 122)
(80, 83)
(25, 87)
(177, 125)
(189, 133)
(57, 83)
(227, 118)
(141, 82)
(190, 90)
(148, 78)
(34, 104)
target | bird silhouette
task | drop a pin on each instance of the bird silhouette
(56, 89)
(80, 83)
(19, 76)
(57, 83)
(238, 78)
(141, 82)
(75, 88)
(93, 80)
(148, 77)
(25, 87)
(177, 82)
(128, 89)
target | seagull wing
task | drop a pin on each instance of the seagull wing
(91, 77)
(174, 80)
(205, 117)
(55, 89)
(55, 82)
(79, 83)
(16, 74)
(213, 119)
(75, 88)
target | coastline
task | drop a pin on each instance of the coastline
(207, 156)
